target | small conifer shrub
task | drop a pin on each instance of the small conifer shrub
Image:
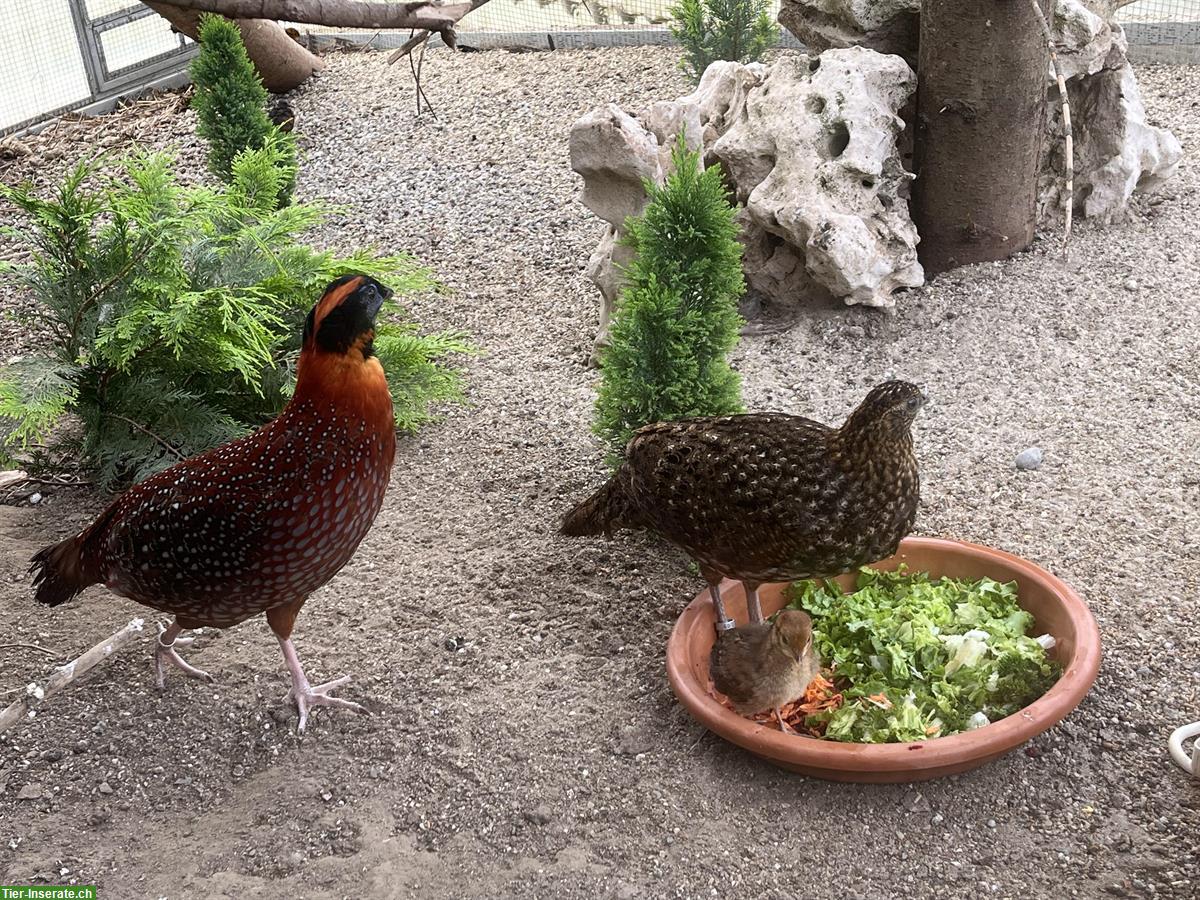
(171, 317)
(709, 30)
(231, 104)
(677, 318)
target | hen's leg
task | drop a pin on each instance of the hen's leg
(723, 622)
(164, 652)
(753, 608)
(784, 726)
(307, 696)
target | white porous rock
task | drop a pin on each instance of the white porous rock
(1085, 40)
(1119, 153)
(721, 95)
(814, 159)
(889, 26)
(616, 152)
(1116, 152)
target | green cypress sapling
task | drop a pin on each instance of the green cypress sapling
(231, 104)
(172, 318)
(677, 319)
(711, 30)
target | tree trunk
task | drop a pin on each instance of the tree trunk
(281, 62)
(981, 86)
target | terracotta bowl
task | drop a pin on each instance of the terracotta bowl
(1058, 610)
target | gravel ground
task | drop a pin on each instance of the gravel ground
(524, 741)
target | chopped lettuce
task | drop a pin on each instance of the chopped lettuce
(947, 656)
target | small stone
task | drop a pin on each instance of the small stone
(31, 791)
(54, 754)
(35, 498)
(539, 815)
(1131, 285)
(914, 801)
(1029, 459)
(633, 741)
(105, 787)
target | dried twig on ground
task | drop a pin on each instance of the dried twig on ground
(35, 694)
(45, 650)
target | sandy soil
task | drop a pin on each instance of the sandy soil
(523, 740)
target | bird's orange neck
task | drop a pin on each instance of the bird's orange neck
(353, 381)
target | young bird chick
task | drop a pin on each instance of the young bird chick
(767, 496)
(765, 665)
(256, 525)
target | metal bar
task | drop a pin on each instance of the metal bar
(121, 17)
(170, 61)
(115, 79)
(93, 68)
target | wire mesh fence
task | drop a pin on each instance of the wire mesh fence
(58, 55)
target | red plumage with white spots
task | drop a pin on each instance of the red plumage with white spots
(256, 525)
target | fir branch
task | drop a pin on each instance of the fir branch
(146, 431)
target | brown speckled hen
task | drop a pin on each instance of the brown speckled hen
(256, 525)
(766, 496)
(765, 665)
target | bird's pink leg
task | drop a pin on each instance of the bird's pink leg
(307, 696)
(753, 607)
(164, 652)
(784, 726)
(723, 622)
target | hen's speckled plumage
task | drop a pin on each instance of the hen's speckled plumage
(258, 524)
(767, 496)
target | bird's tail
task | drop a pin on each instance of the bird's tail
(602, 513)
(59, 572)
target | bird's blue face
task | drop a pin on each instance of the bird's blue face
(345, 313)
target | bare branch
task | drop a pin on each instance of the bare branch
(18, 710)
(408, 46)
(432, 16)
(1069, 144)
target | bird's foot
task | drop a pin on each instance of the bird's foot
(165, 652)
(306, 697)
(784, 726)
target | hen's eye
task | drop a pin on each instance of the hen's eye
(913, 402)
